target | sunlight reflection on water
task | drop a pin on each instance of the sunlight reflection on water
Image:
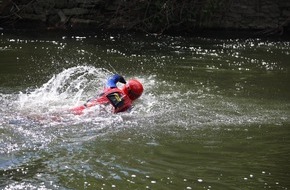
(214, 114)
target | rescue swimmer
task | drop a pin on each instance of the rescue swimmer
(121, 99)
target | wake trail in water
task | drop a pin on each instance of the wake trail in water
(34, 119)
(37, 120)
(49, 104)
(40, 116)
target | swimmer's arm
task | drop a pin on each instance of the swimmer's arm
(114, 79)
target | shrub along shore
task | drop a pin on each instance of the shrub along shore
(269, 17)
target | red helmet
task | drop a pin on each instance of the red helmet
(133, 88)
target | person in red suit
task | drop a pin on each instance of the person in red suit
(120, 99)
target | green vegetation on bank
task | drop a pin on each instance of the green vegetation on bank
(151, 16)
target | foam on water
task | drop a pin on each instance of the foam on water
(73, 87)
(191, 108)
(37, 120)
(64, 89)
(37, 117)
(30, 112)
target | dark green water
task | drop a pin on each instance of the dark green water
(214, 114)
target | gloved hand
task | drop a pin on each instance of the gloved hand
(122, 80)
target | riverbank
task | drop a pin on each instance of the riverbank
(191, 16)
(37, 32)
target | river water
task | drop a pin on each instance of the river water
(214, 113)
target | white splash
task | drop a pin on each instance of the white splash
(64, 90)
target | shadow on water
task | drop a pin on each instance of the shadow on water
(214, 114)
